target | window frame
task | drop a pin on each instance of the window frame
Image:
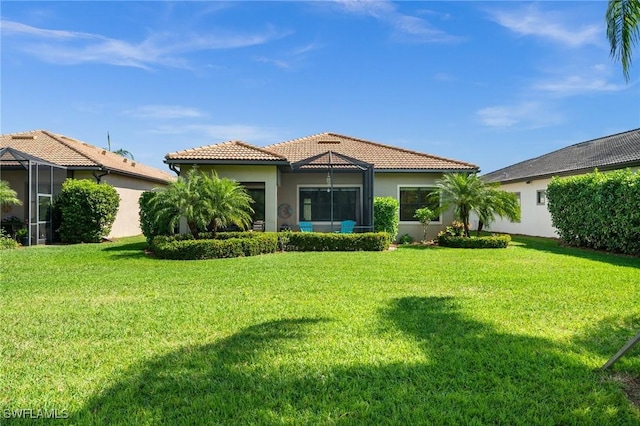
(359, 200)
(402, 187)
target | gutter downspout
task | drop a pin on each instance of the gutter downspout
(98, 178)
(174, 169)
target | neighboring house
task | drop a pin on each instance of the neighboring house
(325, 179)
(35, 164)
(529, 179)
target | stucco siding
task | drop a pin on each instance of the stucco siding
(535, 218)
(129, 189)
(252, 173)
(389, 184)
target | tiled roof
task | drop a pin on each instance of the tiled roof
(75, 154)
(226, 151)
(383, 157)
(606, 153)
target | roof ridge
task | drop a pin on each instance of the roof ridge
(395, 148)
(547, 154)
(257, 148)
(232, 141)
(58, 137)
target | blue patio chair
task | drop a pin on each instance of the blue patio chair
(306, 227)
(346, 226)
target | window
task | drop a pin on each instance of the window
(517, 194)
(315, 204)
(541, 197)
(413, 198)
(257, 194)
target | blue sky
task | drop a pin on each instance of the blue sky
(492, 83)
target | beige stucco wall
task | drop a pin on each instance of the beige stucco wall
(251, 173)
(388, 185)
(129, 189)
(289, 190)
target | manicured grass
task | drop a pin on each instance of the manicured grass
(433, 335)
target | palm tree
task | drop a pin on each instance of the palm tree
(467, 193)
(497, 202)
(623, 30)
(8, 196)
(203, 200)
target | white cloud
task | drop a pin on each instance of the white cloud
(576, 85)
(165, 112)
(530, 115)
(530, 21)
(406, 27)
(165, 49)
(216, 133)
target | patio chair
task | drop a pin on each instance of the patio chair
(306, 227)
(346, 226)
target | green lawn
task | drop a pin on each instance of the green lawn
(106, 335)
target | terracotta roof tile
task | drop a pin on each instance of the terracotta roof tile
(72, 153)
(383, 157)
(231, 150)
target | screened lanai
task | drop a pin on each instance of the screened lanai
(37, 182)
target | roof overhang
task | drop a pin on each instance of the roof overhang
(573, 172)
(11, 155)
(228, 162)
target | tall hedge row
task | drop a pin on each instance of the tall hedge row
(386, 215)
(87, 210)
(598, 210)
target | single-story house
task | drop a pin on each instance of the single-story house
(529, 179)
(325, 179)
(35, 163)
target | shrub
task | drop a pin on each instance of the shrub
(320, 241)
(6, 242)
(152, 221)
(87, 210)
(597, 210)
(185, 247)
(494, 241)
(405, 239)
(386, 215)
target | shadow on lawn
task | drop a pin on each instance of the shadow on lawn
(555, 246)
(129, 251)
(609, 335)
(470, 374)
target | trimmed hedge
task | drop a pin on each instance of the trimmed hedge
(321, 241)
(87, 210)
(597, 210)
(494, 241)
(184, 247)
(386, 215)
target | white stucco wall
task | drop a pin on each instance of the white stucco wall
(535, 218)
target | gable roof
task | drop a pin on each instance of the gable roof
(383, 157)
(78, 155)
(227, 152)
(616, 151)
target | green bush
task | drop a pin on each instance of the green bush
(6, 242)
(494, 241)
(185, 247)
(386, 215)
(87, 210)
(153, 222)
(321, 241)
(597, 210)
(405, 239)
